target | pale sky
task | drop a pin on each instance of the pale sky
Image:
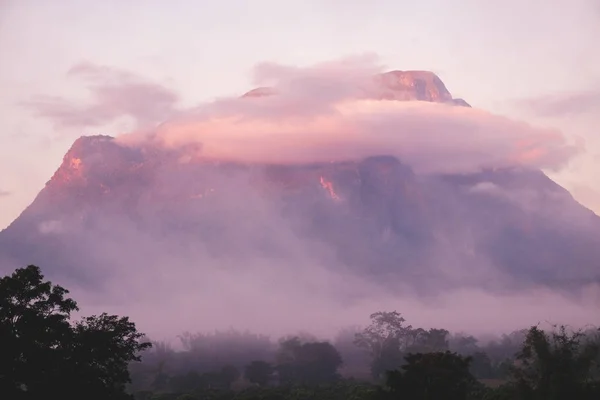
(534, 60)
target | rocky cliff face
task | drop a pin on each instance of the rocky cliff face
(413, 85)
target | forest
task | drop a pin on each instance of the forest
(47, 354)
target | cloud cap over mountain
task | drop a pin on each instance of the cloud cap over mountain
(335, 111)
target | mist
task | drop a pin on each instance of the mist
(241, 256)
(254, 269)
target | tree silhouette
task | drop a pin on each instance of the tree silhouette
(432, 376)
(385, 339)
(308, 363)
(557, 365)
(481, 365)
(45, 355)
(228, 375)
(258, 372)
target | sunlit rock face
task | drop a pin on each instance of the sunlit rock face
(413, 85)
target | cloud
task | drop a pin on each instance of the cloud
(114, 94)
(331, 112)
(564, 104)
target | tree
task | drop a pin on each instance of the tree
(506, 347)
(45, 355)
(189, 381)
(308, 363)
(556, 365)
(34, 323)
(481, 365)
(229, 374)
(259, 372)
(385, 339)
(432, 376)
(432, 340)
(463, 344)
(101, 351)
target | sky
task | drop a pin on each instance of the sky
(535, 61)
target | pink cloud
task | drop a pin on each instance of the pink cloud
(331, 112)
(114, 94)
(564, 103)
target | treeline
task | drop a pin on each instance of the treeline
(45, 354)
(353, 353)
(389, 359)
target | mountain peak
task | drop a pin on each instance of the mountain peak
(260, 92)
(413, 85)
(396, 85)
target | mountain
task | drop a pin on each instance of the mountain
(396, 85)
(111, 206)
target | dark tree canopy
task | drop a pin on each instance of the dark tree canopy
(433, 376)
(557, 365)
(309, 363)
(46, 355)
(258, 372)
